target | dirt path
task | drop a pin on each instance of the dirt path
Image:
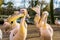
(34, 35)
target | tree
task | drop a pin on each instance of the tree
(51, 11)
(9, 9)
(1, 1)
(10, 4)
(47, 8)
(34, 3)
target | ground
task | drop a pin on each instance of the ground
(34, 35)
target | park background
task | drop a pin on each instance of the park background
(7, 7)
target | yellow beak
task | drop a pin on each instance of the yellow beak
(15, 17)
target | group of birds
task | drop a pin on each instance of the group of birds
(19, 30)
(45, 29)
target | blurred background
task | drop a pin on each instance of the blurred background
(7, 7)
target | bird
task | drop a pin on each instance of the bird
(15, 27)
(22, 32)
(11, 22)
(57, 22)
(37, 16)
(45, 29)
(42, 25)
(14, 24)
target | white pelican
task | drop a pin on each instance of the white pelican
(22, 32)
(57, 22)
(37, 16)
(45, 29)
(15, 25)
(42, 25)
(11, 22)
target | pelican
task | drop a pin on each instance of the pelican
(22, 31)
(57, 22)
(11, 23)
(37, 16)
(14, 25)
(42, 25)
(45, 29)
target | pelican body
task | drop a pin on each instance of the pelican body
(45, 29)
(37, 16)
(11, 23)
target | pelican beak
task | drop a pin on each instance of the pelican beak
(15, 17)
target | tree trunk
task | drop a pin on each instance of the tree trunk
(51, 11)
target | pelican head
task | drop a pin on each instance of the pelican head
(45, 13)
(24, 11)
(9, 21)
(56, 18)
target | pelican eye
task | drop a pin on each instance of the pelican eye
(11, 22)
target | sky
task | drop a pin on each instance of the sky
(20, 3)
(56, 4)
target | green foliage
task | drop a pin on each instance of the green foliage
(47, 8)
(31, 14)
(1, 2)
(8, 10)
(10, 4)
